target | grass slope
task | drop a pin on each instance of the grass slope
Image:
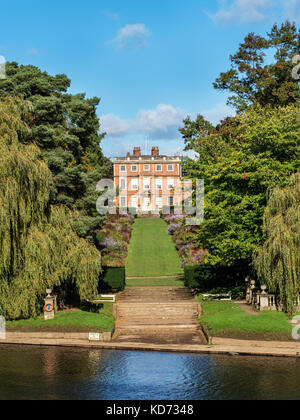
(227, 319)
(152, 252)
(68, 321)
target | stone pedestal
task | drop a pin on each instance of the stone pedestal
(264, 302)
(49, 307)
(264, 299)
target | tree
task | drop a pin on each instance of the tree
(38, 244)
(240, 160)
(278, 260)
(66, 129)
(256, 78)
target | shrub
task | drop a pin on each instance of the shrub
(112, 279)
(205, 278)
(100, 237)
(173, 228)
(198, 277)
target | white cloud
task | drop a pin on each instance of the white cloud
(242, 11)
(131, 35)
(161, 122)
(115, 126)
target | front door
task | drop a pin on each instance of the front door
(146, 205)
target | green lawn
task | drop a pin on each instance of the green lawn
(138, 282)
(227, 319)
(69, 321)
(152, 252)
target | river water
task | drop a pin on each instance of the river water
(82, 374)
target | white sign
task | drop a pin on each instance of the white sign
(94, 337)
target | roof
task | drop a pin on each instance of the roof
(148, 158)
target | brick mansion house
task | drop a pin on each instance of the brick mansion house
(148, 182)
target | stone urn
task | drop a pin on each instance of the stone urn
(264, 289)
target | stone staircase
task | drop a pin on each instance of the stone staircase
(158, 315)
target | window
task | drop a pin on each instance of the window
(159, 184)
(146, 183)
(147, 168)
(134, 168)
(123, 201)
(159, 168)
(170, 168)
(135, 184)
(171, 201)
(123, 184)
(171, 184)
(123, 168)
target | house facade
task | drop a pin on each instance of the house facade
(148, 182)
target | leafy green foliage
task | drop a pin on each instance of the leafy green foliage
(66, 129)
(112, 278)
(207, 278)
(240, 161)
(38, 244)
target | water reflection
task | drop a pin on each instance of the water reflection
(64, 373)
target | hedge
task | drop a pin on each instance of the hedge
(205, 278)
(112, 279)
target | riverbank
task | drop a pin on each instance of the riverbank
(218, 346)
(232, 320)
(69, 321)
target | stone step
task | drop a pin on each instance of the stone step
(160, 298)
(158, 320)
(158, 314)
(175, 317)
(161, 327)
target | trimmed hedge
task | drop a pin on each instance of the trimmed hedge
(199, 277)
(206, 278)
(112, 279)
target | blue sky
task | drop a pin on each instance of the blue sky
(152, 62)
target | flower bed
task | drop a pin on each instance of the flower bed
(184, 238)
(114, 239)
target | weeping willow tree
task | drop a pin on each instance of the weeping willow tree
(278, 261)
(38, 245)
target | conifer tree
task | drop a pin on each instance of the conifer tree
(261, 70)
(66, 129)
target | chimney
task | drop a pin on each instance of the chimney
(155, 151)
(137, 151)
